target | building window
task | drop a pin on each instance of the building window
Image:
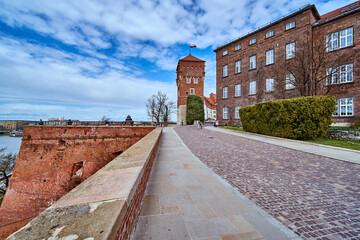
(225, 113)
(188, 80)
(252, 41)
(290, 81)
(346, 39)
(270, 57)
(225, 92)
(237, 115)
(196, 81)
(192, 91)
(237, 47)
(253, 62)
(290, 26)
(226, 52)
(269, 34)
(237, 66)
(238, 90)
(342, 74)
(290, 50)
(346, 107)
(269, 85)
(252, 89)
(225, 71)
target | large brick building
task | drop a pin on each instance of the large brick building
(299, 54)
(190, 81)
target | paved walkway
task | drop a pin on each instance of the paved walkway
(315, 196)
(184, 199)
(318, 149)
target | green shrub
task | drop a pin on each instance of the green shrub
(297, 118)
(194, 109)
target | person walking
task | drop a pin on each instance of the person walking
(201, 125)
(198, 123)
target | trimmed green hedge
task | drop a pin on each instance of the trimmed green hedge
(297, 118)
(194, 109)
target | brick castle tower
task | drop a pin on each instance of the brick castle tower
(190, 81)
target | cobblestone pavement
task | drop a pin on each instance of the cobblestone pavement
(316, 197)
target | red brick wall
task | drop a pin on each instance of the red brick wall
(46, 160)
(304, 27)
(351, 55)
(262, 71)
(190, 69)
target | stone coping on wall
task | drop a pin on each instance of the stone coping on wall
(97, 207)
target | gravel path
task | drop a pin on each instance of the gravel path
(315, 196)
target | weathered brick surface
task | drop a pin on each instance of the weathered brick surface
(316, 197)
(44, 168)
(351, 89)
(304, 28)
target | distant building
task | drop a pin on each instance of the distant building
(190, 81)
(254, 67)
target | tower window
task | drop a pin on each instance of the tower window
(192, 91)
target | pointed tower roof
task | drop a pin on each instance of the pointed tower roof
(191, 58)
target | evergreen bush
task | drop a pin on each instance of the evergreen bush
(194, 109)
(297, 118)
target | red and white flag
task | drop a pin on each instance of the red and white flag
(192, 46)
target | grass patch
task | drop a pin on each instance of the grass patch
(355, 145)
(234, 128)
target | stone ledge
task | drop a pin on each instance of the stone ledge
(104, 206)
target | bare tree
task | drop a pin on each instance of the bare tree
(306, 71)
(105, 119)
(7, 162)
(157, 106)
(169, 108)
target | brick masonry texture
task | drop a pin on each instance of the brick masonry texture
(315, 196)
(45, 166)
(304, 27)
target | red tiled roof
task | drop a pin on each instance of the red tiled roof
(191, 59)
(211, 100)
(340, 11)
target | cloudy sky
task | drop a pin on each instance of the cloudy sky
(84, 59)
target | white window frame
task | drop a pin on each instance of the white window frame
(290, 25)
(238, 90)
(332, 41)
(225, 71)
(252, 41)
(225, 113)
(196, 80)
(225, 92)
(340, 39)
(238, 66)
(290, 80)
(252, 61)
(270, 34)
(346, 104)
(237, 115)
(270, 84)
(188, 80)
(226, 52)
(252, 88)
(342, 74)
(237, 47)
(270, 59)
(192, 91)
(290, 50)
(346, 37)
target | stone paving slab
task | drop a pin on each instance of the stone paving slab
(184, 199)
(315, 196)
